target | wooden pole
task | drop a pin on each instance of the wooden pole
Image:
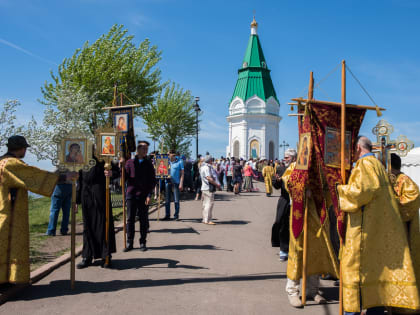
(303, 102)
(123, 201)
(73, 235)
(107, 182)
(343, 162)
(305, 219)
(158, 207)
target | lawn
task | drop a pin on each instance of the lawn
(44, 248)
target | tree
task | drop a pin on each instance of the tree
(8, 125)
(112, 59)
(74, 107)
(172, 119)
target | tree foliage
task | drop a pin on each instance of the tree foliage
(74, 107)
(172, 119)
(112, 59)
(8, 123)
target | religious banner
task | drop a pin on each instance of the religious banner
(317, 167)
(325, 126)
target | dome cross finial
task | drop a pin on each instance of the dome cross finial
(254, 26)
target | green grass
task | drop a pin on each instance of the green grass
(39, 213)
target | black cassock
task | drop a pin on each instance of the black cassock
(91, 194)
(280, 230)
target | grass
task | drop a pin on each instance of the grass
(39, 213)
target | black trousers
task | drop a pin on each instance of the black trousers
(229, 183)
(138, 206)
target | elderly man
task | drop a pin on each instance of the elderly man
(16, 179)
(377, 267)
(280, 230)
(208, 188)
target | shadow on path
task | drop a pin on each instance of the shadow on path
(62, 287)
(182, 247)
(175, 231)
(136, 263)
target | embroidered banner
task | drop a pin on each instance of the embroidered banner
(319, 160)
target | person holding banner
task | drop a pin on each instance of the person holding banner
(377, 266)
(140, 176)
(16, 178)
(91, 192)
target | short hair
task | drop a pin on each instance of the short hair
(290, 152)
(365, 143)
(143, 142)
(395, 161)
(172, 152)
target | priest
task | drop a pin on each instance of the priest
(377, 267)
(16, 178)
(320, 252)
(408, 200)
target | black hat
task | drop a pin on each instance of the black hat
(17, 142)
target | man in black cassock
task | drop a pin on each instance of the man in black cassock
(91, 194)
(280, 229)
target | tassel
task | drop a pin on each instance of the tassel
(318, 234)
(378, 112)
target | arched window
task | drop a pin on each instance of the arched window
(236, 149)
(271, 150)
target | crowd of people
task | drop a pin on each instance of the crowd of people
(379, 256)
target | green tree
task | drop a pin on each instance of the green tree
(74, 107)
(172, 119)
(112, 59)
(8, 123)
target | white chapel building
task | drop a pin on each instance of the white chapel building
(254, 108)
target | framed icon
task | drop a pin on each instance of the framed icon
(122, 119)
(162, 166)
(108, 144)
(302, 162)
(332, 149)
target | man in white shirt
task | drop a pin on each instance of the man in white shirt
(208, 188)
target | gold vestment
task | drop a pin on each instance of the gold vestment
(14, 225)
(321, 257)
(268, 173)
(376, 260)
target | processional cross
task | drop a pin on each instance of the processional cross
(384, 146)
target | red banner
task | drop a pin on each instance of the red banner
(323, 171)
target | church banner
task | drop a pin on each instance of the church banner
(323, 171)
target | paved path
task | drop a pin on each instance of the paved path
(190, 268)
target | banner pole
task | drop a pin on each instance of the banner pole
(73, 235)
(305, 220)
(107, 182)
(123, 201)
(343, 165)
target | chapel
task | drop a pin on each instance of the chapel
(254, 108)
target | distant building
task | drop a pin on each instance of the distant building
(254, 107)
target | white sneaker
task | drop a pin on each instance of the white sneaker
(295, 301)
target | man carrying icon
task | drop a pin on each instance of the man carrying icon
(16, 178)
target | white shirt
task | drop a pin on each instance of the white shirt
(204, 172)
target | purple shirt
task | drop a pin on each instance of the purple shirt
(140, 176)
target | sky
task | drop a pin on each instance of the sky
(203, 44)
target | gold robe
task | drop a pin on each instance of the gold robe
(321, 257)
(14, 225)
(268, 173)
(376, 260)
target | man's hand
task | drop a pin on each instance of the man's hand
(147, 200)
(76, 208)
(181, 186)
(70, 176)
(108, 173)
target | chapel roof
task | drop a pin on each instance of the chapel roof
(254, 76)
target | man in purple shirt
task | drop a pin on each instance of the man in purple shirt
(141, 181)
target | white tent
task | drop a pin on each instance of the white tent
(410, 165)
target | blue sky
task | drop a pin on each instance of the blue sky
(203, 44)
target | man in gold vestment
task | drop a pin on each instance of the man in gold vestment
(320, 253)
(408, 199)
(16, 178)
(377, 267)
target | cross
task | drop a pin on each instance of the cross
(284, 145)
(384, 146)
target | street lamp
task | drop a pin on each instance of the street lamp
(284, 145)
(197, 110)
